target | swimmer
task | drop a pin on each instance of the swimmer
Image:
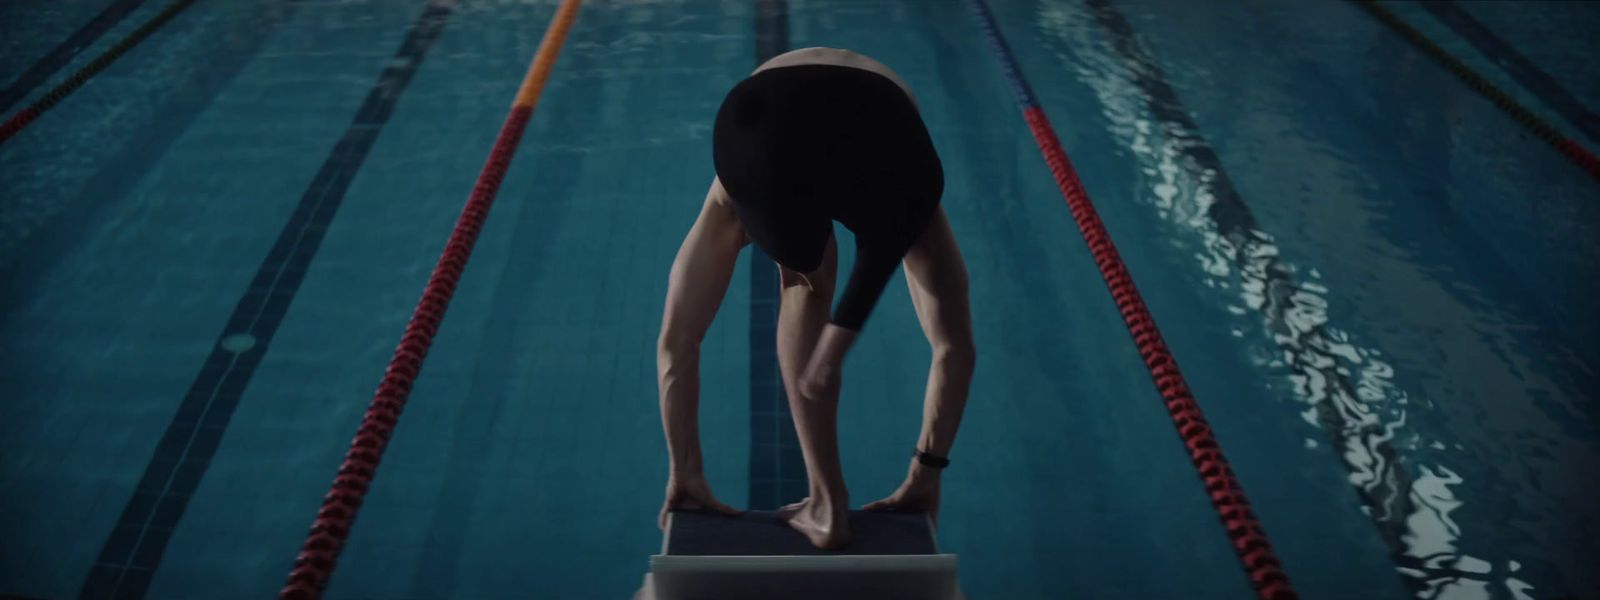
(814, 136)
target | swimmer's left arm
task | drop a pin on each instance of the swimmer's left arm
(822, 376)
(875, 265)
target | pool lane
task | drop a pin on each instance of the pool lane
(1518, 66)
(65, 51)
(134, 550)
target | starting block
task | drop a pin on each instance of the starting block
(757, 556)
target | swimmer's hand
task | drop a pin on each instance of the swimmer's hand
(691, 492)
(919, 493)
(821, 379)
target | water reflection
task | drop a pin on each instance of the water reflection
(1348, 390)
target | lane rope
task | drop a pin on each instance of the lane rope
(1575, 152)
(1244, 530)
(33, 111)
(65, 51)
(315, 564)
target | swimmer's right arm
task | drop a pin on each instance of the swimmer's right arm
(700, 276)
(937, 277)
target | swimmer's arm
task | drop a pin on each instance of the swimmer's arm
(823, 371)
(872, 271)
(937, 278)
(700, 276)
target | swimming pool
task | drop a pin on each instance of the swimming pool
(1373, 278)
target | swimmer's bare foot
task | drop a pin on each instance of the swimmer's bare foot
(827, 526)
(784, 512)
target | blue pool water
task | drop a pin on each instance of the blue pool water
(1373, 279)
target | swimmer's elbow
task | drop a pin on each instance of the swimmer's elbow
(674, 343)
(957, 354)
(677, 361)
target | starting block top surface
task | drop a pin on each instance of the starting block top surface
(762, 533)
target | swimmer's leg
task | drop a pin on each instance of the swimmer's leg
(802, 314)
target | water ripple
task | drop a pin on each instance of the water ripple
(1348, 390)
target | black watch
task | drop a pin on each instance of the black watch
(929, 460)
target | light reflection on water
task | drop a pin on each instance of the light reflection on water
(1348, 390)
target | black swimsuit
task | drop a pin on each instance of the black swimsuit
(800, 147)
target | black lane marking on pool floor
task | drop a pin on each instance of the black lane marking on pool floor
(1516, 65)
(1388, 496)
(777, 469)
(135, 547)
(65, 51)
